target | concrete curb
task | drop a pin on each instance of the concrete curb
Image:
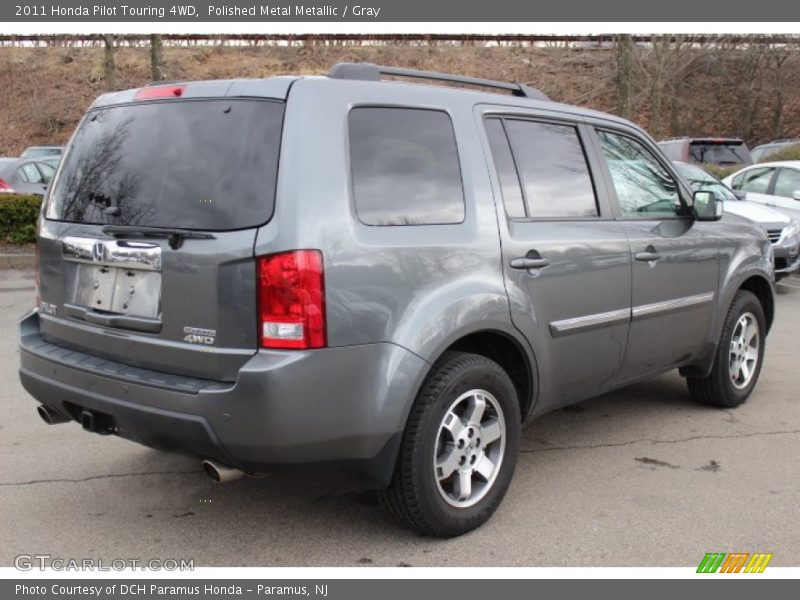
(17, 261)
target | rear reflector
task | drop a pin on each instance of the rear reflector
(291, 300)
(160, 91)
(5, 188)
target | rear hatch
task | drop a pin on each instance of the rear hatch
(720, 152)
(146, 248)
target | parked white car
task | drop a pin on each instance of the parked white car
(776, 184)
(782, 230)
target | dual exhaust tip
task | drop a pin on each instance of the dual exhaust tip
(216, 471)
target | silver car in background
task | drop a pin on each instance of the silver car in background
(775, 184)
(782, 230)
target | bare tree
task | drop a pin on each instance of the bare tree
(109, 62)
(156, 58)
(624, 50)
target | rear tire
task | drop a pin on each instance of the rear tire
(738, 358)
(459, 448)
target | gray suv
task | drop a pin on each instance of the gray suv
(379, 276)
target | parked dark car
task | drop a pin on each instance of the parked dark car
(24, 176)
(724, 152)
(381, 277)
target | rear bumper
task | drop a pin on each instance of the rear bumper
(345, 406)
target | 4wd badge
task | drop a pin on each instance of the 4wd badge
(195, 335)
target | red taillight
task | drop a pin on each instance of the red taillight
(160, 91)
(5, 188)
(291, 300)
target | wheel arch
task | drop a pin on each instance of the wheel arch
(762, 290)
(509, 353)
(758, 285)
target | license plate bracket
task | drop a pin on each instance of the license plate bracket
(118, 290)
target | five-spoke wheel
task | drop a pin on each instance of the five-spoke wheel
(744, 352)
(469, 449)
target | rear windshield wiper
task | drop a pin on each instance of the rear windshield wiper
(175, 236)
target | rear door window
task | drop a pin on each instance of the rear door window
(405, 167)
(547, 159)
(787, 182)
(206, 164)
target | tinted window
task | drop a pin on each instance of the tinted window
(787, 183)
(506, 169)
(197, 165)
(721, 153)
(405, 167)
(552, 167)
(645, 189)
(754, 180)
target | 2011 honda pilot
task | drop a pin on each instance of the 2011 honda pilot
(386, 277)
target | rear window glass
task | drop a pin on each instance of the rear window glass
(405, 167)
(208, 165)
(720, 153)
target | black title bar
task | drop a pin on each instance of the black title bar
(380, 11)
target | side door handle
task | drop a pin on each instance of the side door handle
(649, 255)
(529, 262)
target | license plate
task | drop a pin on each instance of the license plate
(118, 290)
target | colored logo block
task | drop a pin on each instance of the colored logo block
(734, 562)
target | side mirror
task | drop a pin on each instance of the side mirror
(740, 194)
(796, 195)
(706, 206)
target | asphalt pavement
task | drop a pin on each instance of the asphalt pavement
(639, 477)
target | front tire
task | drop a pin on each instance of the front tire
(459, 448)
(739, 356)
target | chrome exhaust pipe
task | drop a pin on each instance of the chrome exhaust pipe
(221, 473)
(50, 416)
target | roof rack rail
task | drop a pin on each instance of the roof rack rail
(373, 72)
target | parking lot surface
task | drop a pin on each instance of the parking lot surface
(639, 477)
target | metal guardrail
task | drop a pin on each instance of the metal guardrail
(599, 40)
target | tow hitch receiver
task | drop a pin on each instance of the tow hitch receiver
(97, 422)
